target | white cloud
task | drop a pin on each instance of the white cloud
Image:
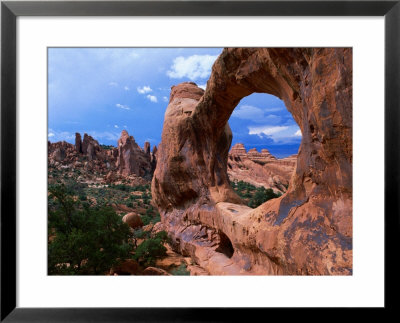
(116, 126)
(144, 89)
(126, 88)
(70, 136)
(133, 55)
(249, 112)
(297, 133)
(279, 134)
(115, 56)
(202, 86)
(60, 135)
(165, 99)
(193, 67)
(152, 98)
(113, 84)
(274, 109)
(106, 135)
(266, 130)
(121, 106)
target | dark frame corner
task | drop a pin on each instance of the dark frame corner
(10, 10)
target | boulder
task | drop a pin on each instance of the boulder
(126, 267)
(153, 271)
(133, 220)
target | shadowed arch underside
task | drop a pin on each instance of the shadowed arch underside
(306, 231)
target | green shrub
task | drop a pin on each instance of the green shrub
(261, 196)
(84, 240)
(180, 271)
(156, 218)
(151, 249)
(140, 234)
(146, 219)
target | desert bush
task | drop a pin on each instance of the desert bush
(151, 249)
(180, 271)
(84, 240)
(261, 196)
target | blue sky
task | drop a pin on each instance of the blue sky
(102, 91)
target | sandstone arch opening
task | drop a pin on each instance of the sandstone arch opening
(262, 121)
(265, 143)
(225, 245)
(307, 230)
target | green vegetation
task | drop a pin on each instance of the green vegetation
(151, 249)
(180, 271)
(107, 147)
(127, 188)
(88, 237)
(84, 240)
(254, 196)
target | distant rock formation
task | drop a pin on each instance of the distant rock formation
(238, 150)
(260, 169)
(147, 148)
(59, 151)
(90, 146)
(153, 159)
(308, 230)
(78, 142)
(112, 162)
(131, 158)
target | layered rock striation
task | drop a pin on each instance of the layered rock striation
(260, 168)
(308, 230)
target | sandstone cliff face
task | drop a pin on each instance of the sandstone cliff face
(260, 168)
(131, 158)
(90, 146)
(306, 231)
(78, 142)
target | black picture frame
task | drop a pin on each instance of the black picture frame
(10, 10)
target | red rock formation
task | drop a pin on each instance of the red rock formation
(87, 155)
(89, 141)
(261, 158)
(131, 158)
(260, 169)
(147, 148)
(238, 150)
(126, 267)
(153, 159)
(153, 271)
(78, 142)
(306, 231)
(59, 152)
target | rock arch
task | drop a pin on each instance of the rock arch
(306, 231)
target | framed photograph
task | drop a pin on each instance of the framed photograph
(160, 158)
